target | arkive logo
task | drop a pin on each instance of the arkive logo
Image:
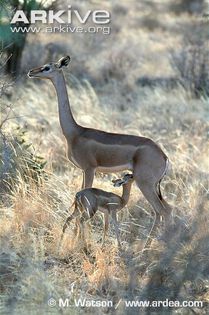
(96, 16)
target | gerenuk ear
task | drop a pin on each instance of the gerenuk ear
(64, 61)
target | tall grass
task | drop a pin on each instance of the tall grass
(34, 269)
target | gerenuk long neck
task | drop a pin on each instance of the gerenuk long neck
(126, 193)
(68, 124)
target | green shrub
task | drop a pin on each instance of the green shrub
(19, 159)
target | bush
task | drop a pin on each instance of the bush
(151, 23)
(17, 157)
(190, 6)
(192, 65)
(119, 64)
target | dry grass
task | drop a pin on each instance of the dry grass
(33, 267)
